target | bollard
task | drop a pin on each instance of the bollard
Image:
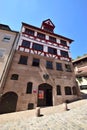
(37, 111)
(66, 107)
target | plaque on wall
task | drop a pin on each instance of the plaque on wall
(41, 94)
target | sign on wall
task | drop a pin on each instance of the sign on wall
(41, 94)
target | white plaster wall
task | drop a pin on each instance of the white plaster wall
(23, 29)
(47, 37)
(58, 40)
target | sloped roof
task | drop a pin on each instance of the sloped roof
(5, 27)
(82, 71)
(79, 59)
(48, 21)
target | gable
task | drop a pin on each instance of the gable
(48, 22)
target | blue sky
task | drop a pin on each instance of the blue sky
(69, 17)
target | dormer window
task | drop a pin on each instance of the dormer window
(48, 29)
(29, 32)
(47, 25)
(40, 35)
(52, 39)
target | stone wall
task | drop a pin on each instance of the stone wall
(28, 73)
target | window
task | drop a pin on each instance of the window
(40, 35)
(30, 32)
(52, 39)
(48, 29)
(25, 43)
(59, 66)
(74, 90)
(68, 91)
(37, 47)
(68, 68)
(29, 87)
(49, 64)
(14, 77)
(35, 62)
(83, 87)
(64, 54)
(52, 50)
(58, 89)
(6, 38)
(23, 60)
(63, 42)
(30, 106)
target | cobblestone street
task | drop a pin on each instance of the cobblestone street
(74, 119)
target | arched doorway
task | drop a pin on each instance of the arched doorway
(8, 102)
(45, 95)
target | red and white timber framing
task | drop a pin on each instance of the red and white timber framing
(45, 42)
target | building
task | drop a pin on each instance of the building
(8, 40)
(80, 67)
(41, 73)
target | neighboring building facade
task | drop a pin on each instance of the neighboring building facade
(7, 46)
(80, 67)
(41, 73)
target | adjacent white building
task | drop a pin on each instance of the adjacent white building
(8, 42)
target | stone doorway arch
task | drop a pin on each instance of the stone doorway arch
(45, 95)
(8, 102)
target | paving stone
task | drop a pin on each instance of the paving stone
(74, 119)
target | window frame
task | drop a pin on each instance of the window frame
(29, 88)
(25, 42)
(40, 35)
(23, 60)
(37, 47)
(59, 68)
(48, 29)
(14, 77)
(49, 64)
(83, 87)
(64, 54)
(29, 31)
(52, 39)
(52, 50)
(36, 64)
(58, 90)
(68, 67)
(68, 90)
(6, 38)
(63, 42)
